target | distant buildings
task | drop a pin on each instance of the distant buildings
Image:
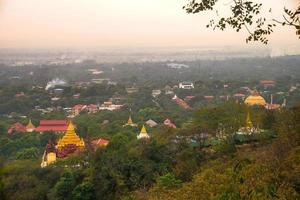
(156, 93)
(58, 91)
(99, 80)
(189, 98)
(168, 90)
(151, 123)
(18, 95)
(208, 97)
(180, 102)
(108, 105)
(186, 85)
(95, 71)
(239, 96)
(177, 66)
(169, 123)
(93, 108)
(267, 83)
(131, 90)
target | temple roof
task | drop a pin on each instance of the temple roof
(70, 138)
(100, 142)
(17, 127)
(53, 122)
(255, 99)
(52, 125)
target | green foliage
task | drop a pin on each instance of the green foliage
(29, 153)
(64, 187)
(229, 116)
(25, 180)
(84, 191)
(1, 180)
(226, 147)
(168, 181)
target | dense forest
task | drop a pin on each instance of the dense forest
(203, 158)
(169, 166)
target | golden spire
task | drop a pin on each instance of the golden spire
(70, 127)
(129, 122)
(70, 137)
(248, 121)
(30, 127)
(143, 133)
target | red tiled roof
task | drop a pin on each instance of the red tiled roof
(182, 103)
(239, 95)
(78, 106)
(168, 123)
(52, 125)
(92, 106)
(51, 128)
(53, 122)
(209, 97)
(272, 106)
(17, 127)
(189, 97)
(267, 82)
(100, 142)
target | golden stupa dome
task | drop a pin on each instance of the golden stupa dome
(255, 99)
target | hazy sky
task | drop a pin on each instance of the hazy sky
(118, 23)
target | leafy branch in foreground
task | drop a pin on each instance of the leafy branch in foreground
(245, 15)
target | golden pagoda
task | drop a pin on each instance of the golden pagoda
(130, 122)
(143, 134)
(255, 99)
(30, 127)
(70, 138)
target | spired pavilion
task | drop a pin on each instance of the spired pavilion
(249, 129)
(130, 122)
(69, 144)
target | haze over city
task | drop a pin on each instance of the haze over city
(130, 23)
